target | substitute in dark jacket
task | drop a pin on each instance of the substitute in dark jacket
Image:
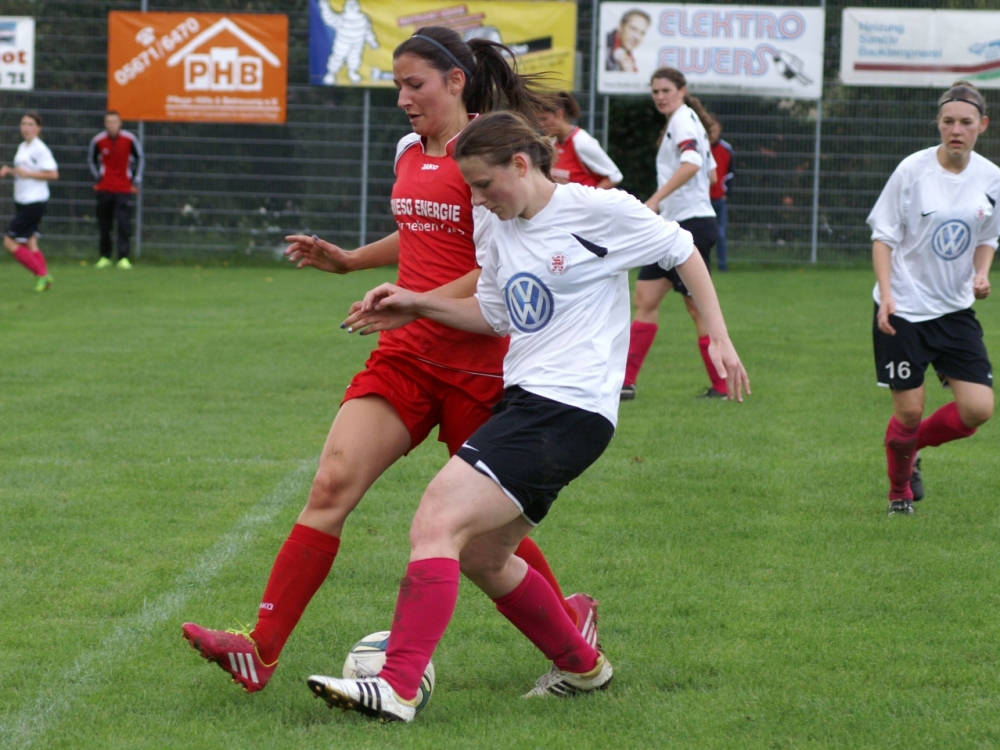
(116, 161)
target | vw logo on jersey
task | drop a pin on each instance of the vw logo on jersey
(529, 302)
(951, 239)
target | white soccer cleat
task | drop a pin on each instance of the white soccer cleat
(371, 696)
(567, 684)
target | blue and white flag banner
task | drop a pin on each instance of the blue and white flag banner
(720, 49)
(920, 48)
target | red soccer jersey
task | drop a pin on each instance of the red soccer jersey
(723, 154)
(116, 163)
(433, 210)
(569, 167)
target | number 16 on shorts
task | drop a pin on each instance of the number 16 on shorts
(902, 371)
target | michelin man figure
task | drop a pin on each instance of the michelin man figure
(352, 30)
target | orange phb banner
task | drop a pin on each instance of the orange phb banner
(198, 67)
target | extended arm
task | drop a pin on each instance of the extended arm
(48, 174)
(882, 261)
(684, 173)
(695, 276)
(312, 251)
(388, 299)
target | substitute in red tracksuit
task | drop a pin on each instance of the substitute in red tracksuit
(116, 161)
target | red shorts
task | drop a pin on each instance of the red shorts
(425, 395)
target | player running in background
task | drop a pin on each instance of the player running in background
(579, 157)
(722, 152)
(34, 167)
(555, 278)
(419, 377)
(684, 172)
(934, 233)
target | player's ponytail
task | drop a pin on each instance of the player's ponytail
(491, 78)
(563, 100)
(496, 137)
(677, 78)
(963, 91)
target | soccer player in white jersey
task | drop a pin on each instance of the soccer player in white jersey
(934, 233)
(555, 279)
(34, 167)
(685, 169)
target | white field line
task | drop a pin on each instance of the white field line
(93, 668)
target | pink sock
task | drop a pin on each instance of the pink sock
(27, 259)
(640, 340)
(900, 452)
(718, 383)
(427, 596)
(43, 267)
(942, 426)
(536, 611)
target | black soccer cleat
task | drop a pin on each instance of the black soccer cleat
(901, 508)
(711, 393)
(628, 393)
(917, 481)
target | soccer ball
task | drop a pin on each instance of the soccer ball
(367, 657)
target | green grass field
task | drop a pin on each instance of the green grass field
(160, 429)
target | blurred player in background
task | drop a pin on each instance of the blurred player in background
(685, 170)
(422, 376)
(568, 327)
(934, 234)
(580, 157)
(722, 152)
(116, 161)
(34, 168)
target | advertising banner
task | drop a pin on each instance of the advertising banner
(351, 41)
(720, 49)
(17, 53)
(198, 67)
(920, 48)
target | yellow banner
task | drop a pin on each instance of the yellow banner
(351, 41)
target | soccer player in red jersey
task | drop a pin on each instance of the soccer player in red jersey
(580, 157)
(422, 375)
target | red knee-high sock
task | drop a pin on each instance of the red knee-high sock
(640, 340)
(427, 596)
(718, 383)
(900, 452)
(299, 570)
(942, 426)
(34, 262)
(531, 554)
(534, 610)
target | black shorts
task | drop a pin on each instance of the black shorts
(533, 447)
(705, 231)
(27, 218)
(952, 343)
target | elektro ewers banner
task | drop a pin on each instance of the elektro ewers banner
(17, 53)
(920, 48)
(198, 67)
(721, 49)
(351, 41)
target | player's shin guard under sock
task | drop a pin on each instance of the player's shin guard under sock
(718, 383)
(528, 551)
(900, 452)
(640, 340)
(34, 262)
(299, 570)
(942, 426)
(533, 609)
(427, 596)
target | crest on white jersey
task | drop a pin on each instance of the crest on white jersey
(558, 263)
(529, 302)
(951, 239)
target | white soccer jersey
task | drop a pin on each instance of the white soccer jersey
(558, 284)
(685, 142)
(35, 157)
(933, 220)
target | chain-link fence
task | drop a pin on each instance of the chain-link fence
(237, 190)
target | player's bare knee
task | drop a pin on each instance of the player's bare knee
(976, 415)
(332, 490)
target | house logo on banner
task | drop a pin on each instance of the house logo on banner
(198, 66)
(736, 49)
(920, 48)
(17, 53)
(351, 41)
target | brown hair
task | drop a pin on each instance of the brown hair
(634, 12)
(677, 78)
(491, 82)
(564, 100)
(497, 136)
(34, 116)
(963, 91)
